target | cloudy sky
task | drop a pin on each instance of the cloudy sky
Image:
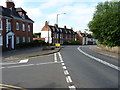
(78, 12)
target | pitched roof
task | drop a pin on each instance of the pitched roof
(61, 30)
(12, 12)
(89, 36)
(83, 34)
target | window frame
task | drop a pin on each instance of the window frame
(23, 27)
(23, 39)
(28, 28)
(17, 26)
(17, 39)
(1, 40)
(29, 39)
(9, 26)
(1, 24)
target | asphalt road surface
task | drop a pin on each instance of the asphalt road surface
(74, 67)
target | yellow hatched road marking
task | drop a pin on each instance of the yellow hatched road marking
(10, 86)
(6, 88)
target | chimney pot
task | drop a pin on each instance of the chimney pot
(65, 27)
(10, 4)
(56, 25)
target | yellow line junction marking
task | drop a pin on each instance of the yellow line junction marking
(10, 87)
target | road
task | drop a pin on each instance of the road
(75, 67)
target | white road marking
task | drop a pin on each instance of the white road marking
(7, 63)
(63, 64)
(20, 66)
(68, 79)
(99, 60)
(31, 65)
(72, 87)
(47, 63)
(66, 72)
(64, 67)
(24, 61)
(60, 57)
(55, 57)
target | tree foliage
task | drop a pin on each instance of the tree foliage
(105, 23)
(35, 35)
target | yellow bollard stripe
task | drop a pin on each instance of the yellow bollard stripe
(12, 86)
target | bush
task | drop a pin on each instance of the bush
(31, 44)
(48, 48)
(72, 43)
(75, 42)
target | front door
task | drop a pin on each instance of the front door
(10, 42)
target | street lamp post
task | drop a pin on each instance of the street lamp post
(57, 17)
(57, 24)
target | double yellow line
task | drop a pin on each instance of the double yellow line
(10, 87)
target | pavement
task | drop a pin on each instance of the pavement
(26, 53)
(104, 52)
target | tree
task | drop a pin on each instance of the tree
(105, 23)
(35, 35)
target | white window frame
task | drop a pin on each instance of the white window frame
(17, 26)
(23, 39)
(29, 28)
(17, 39)
(57, 35)
(9, 26)
(0, 24)
(23, 27)
(61, 36)
(1, 40)
(28, 39)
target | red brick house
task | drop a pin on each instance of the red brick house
(85, 38)
(15, 26)
(57, 34)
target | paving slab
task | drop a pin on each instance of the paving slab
(27, 53)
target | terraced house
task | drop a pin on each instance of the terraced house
(15, 26)
(55, 34)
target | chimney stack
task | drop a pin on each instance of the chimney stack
(10, 4)
(46, 23)
(65, 27)
(56, 25)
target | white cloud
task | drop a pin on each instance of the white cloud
(79, 12)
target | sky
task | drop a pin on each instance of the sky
(78, 12)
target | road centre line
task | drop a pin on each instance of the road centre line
(63, 64)
(60, 57)
(68, 78)
(55, 57)
(99, 60)
(66, 72)
(64, 67)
